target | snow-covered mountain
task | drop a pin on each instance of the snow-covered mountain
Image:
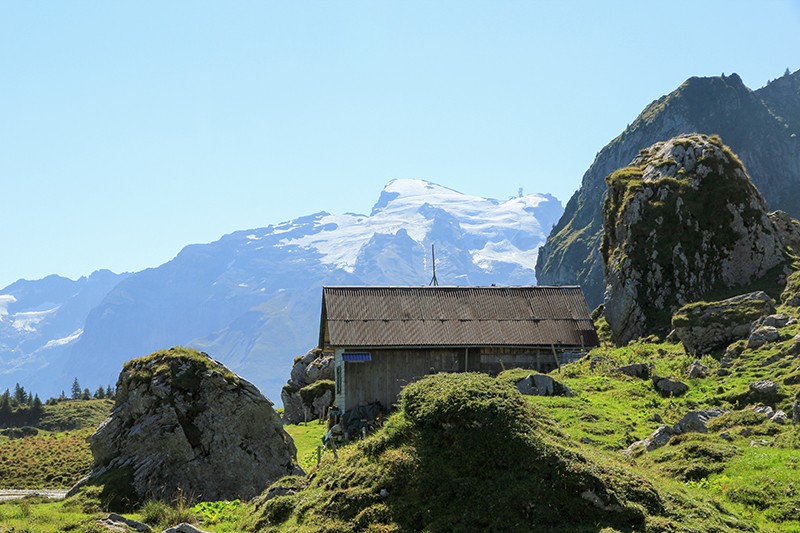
(39, 320)
(252, 298)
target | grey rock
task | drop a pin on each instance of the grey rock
(723, 372)
(780, 417)
(793, 348)
(670, 387)
(788, 230)
(695, 421)
(115, 522)
(764, 388)
(762, 335)
(182, 421)
(725, 436)
(636, 370)
(696, 370)
(765, 410)
(708, 327)
(657, 439)
(779, 320)
(542, 385)
(184, 528)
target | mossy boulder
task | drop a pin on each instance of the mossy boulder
(706, 327)
(183, 423)
(683, 221)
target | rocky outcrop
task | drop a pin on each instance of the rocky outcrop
(755, 124)
(682, 220)
(183, 422)
(705, 327)
(310, 389)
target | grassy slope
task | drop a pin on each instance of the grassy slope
(59, 455)
(754, 475)
(705, 482)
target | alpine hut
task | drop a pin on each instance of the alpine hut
(383, 338)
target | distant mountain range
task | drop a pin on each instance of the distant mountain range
(762, 127)
(252, 299)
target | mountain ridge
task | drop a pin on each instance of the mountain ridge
(720, 105)
(252, 297)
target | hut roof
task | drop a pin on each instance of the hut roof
(455, 316)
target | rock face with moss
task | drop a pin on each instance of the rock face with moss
(183, 422)
(310, 389)
(762, 126)
(705, 327)
(681, 221)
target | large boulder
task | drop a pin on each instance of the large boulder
(705, 327)
(681, 221)
(310, 389)
(184, 423)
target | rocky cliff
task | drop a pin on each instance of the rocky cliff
(760, 126)
(681, 221)
(184, 423)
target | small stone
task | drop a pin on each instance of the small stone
(725, 436)
(762, 335)
(697, 370)
(542, 385)
(764, 388)
(184, 528)
(695, 421)
(765, 410)
(636, 370)
(120, 523)
(669, 387)
(780, 417)
(776, 321)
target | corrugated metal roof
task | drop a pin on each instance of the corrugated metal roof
(456, 316)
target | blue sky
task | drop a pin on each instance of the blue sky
(131, 129)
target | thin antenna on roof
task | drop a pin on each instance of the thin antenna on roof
(434, 281)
